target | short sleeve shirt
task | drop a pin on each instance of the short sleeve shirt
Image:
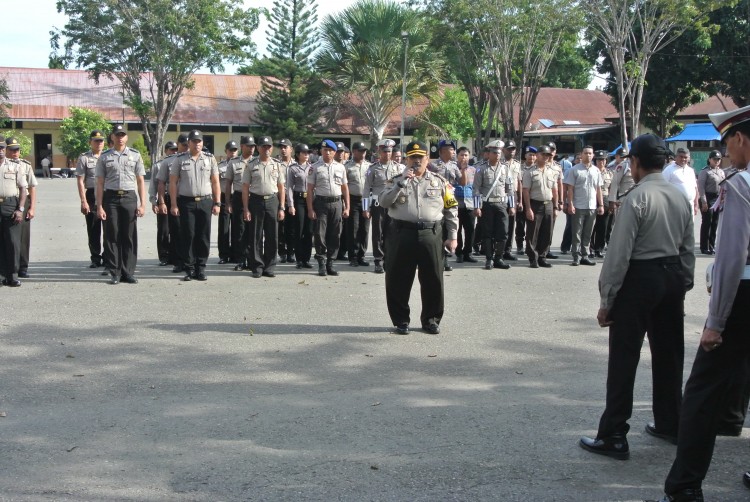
(120, 169)
(86, 167)
(327, 179)
(264, 177)
(194, 175)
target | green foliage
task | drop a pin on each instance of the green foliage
(290, 93)
(362, 61)
(571, 66)
(4, 97)
(140, 145)
(729, 56)
(25, 142)
(75, 131)
(262, 67)
(153, 48)
(448, 117)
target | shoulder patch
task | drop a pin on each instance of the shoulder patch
(729, 176)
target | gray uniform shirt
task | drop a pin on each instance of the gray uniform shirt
(159, 170)
(194, 176)
(235, 170)
(654, 221)
(540, 183)
(448, 170)
(355, 175)
(263, 177)
(585, 181)
(378, 174)
(622, 181)
(732, 249)
(327, 178)
(120, 169)
(421, 199)
(28, 173)
(708, 182)
(607, 176)
(86, 167)
(296, 181)
(485, 178)
(13, 179)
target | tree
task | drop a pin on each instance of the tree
(261, 67)
(447, 117)
(4, 98)
(571, 66)
(362, 60)
(153, 48)
(75, 131)
(729, 56)
(25, 142)
(290, 91)
(631, 32)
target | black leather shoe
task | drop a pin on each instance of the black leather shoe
(282, 259)
(598, 254)
(533, 264)
(488, 264)
(615, 446)
(363, 263)
(321, 269)
(330, 270)
(23, 274)
(500, 264)
(551, 256)
(402, 329)
(299, 265)
(447, 267)
(256, 275)
(353, 263)
(163, 263)
(432, 328)
(509, 256)
(651, 430)
(290, 258)
(188, 277)
(585, 261)
(104, 272)
(128, 279)
(15, 283)
(729, 430)
(543, 263)
(378, 268)
(200, 277)
(94, 265)
(268, 274)
(306, 264)
(574, 263)
(687, 495)
(177, 269)
(470, 259)
(746, 479)
(459, 259)
(114, 279)
(223, 261)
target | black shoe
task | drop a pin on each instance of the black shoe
(498, 263)
(129, 279)
(687, 495)
(104, 272)
(476, 252)
(321, 268)
(402, 329)
(509, 256)
(598, 254)
(114, 279)
(551, 256)
(447, 267)
(378, 267)
(290, 258)
(615, 446)
(362, 262)
(94, 265)
(520, 252)
(651, 430)
(432, 328)
(704, 251)
(330, 270)
(177, 269)
(543, 263)
(240, 267)
(299, 265)
(341, 257)
(470, 259)
(200, 276)
(353, 263)
(574, 263)
(533, 264)
(256, 275)
(585, 261)
(729, 430)
(746, 479)
(12, 284)
(188, 277)
(488, 264)
(268, 274)
(23, 274)
(306, 264)
(223, 261)
(459, 259)
(282, 258)
(591, 255)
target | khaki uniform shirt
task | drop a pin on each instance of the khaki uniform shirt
(654, 221)
(194, 176)
(540, 183)
(485, 178)
(86, 167)
(13, 179)
(448, 170)
(622, 181)
(28, 174)
(120, 170)
(264, 177)
(378, 174)
(355, 175)
(708, 182)
(607, 176)
(327, 179)
(515, 171)
(421, 199)
(235, 170)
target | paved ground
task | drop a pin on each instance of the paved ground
(293, 388)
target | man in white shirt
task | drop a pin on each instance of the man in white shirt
(682, 175)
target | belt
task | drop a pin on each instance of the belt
(300, 195)
(496, 199)
(8, 199)
(119, 192)
(545, 202)
(264, 197)
(196, 199)
(665, 260)
(328, 199)
(417, 225)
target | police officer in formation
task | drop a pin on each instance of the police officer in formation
(300, 226)
(709, 180)
(494, 193)
(446, 167)
(529, 162)
(463, 192)
(86, 181)
(162, 220)
(166, 204)
(375, 180)
(558, 170)
(119, 173)
(509, 157)
(285, 159)
(622, 179)
(417, 201)
(540, 198)
(644, 278)
(327, 180)
(12, 205)
(599, 236)
(225, 216)
(357, 227)
(233, 193)
(13, 154)
(263, 205)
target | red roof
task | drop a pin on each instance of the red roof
(714, 104)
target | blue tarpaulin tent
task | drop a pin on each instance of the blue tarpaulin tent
(613, 152)
(697, 132)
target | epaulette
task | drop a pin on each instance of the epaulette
(106, 151)
(133, 150)
(729, 176)
(629, 190)
(397, 176)
(25, 161)
(207, 153)
(441, 177)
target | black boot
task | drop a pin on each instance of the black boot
(329, 268)
(321, 267)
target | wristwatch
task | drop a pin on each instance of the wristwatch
(217, 204)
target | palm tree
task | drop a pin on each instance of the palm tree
(362, 59)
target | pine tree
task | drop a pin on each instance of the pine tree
(290, 95)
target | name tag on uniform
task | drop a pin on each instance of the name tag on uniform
(433, 192)
(185, 166)
(9, 176)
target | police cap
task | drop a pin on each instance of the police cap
(545, 150)
(386, 145)
(359, 145)
(416, 148)
(265, 141)
(552, 146)
(170, 145)
(247, 140)
(446, 143)
(195, 135)
(12, 144)
(301, 148)
(529, 149)
(96, 134)
(495, 146)
(510, 144)
(715, 154)
(182, 138)
(601, 155)
(284, 142)
(118, 129)
(327, 143)
(231, 145)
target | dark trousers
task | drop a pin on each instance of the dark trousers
(649, 303)
(162, 237)
(466, 223)
(327, 232)
(10, 240)
(539, 231)
(520, 229)
(23, 263)
(174, 234)
(120, 233)
(410, 250)
(300, 228)
(494, 228)
(511, 227)
(195, 232)
(707, 393)
(478, 233)
(93, 228)
(224, 230)
(709, 223)
(599, 238)
(357, 229)
(238, 231)
(343, 241)
(380, 218)
(567, 234)
(281, 236)
(262, 233)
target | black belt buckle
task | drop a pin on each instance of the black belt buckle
(421, 225)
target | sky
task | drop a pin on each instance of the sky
(26, 39)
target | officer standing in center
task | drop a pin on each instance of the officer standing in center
(12, 203)
(86, 180)
(225, 215)
(418, 201)
(13, 154)
(300, 226)
(233, 194)
(357, 226)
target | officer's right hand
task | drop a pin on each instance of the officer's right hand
(529, 215)
(292, 211)
(175, 211)
(155, 208)
(246, 215)
(85, 209)
(704, 207)
(366, 214)
(312, 214)
(101, 214)
(478, 213)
